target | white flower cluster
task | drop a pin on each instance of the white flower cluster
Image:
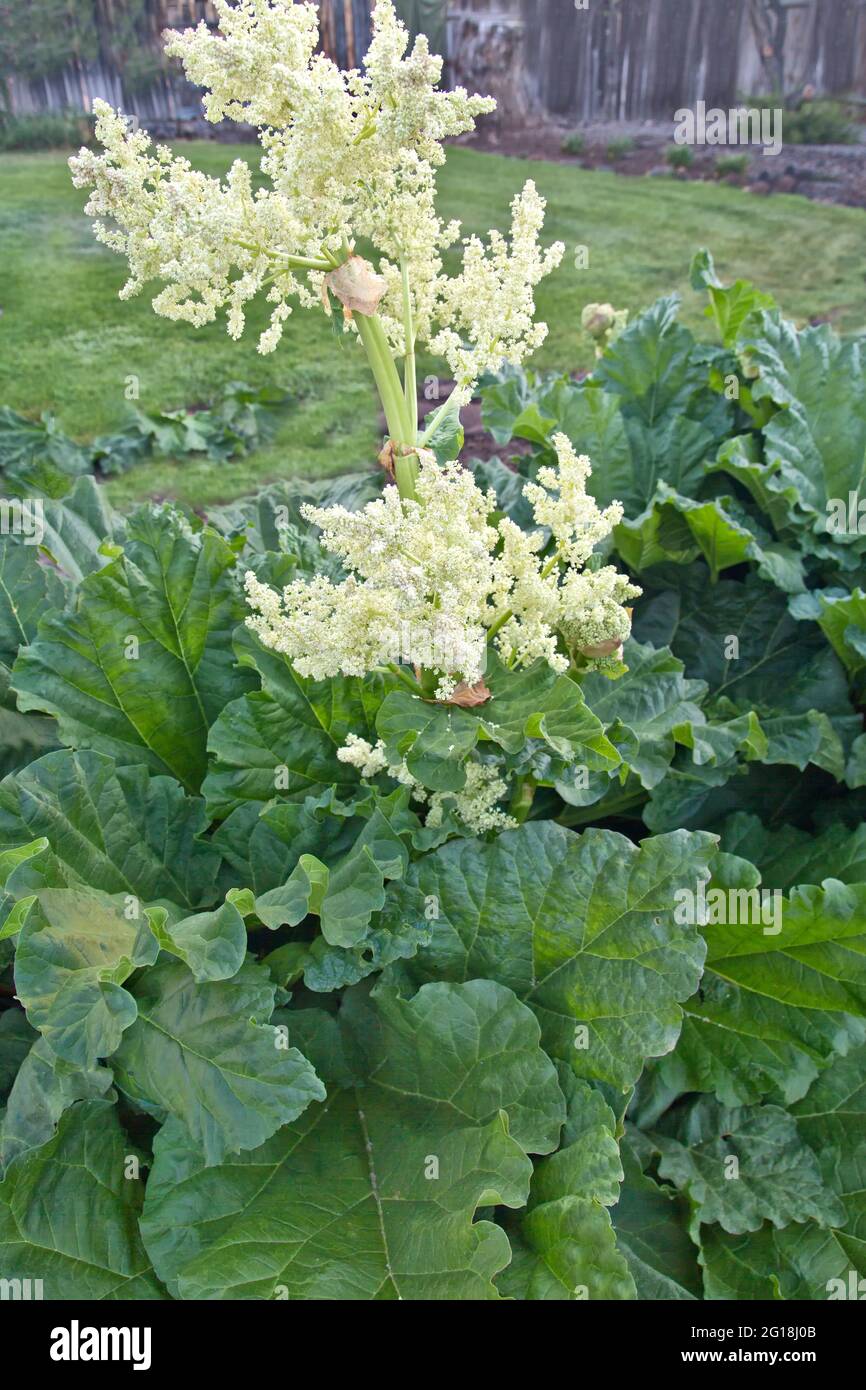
(429, 581)
(347, 155)
(417, 591)
(475, 804)
(489, 307)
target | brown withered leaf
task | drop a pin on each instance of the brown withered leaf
(386, 458)
(468, 696)
(356, 285)
(608, 648)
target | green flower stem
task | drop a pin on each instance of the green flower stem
(406, 475)
(433, 421)
(410, 384)
(406, 680)
(372, 335)
(308, 263)
(292, 262)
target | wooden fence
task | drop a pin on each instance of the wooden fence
(582, 59)
(633, 59)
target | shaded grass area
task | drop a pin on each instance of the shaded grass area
(67, 344)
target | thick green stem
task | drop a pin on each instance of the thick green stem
(406, 475)
(387, 378)
(410, 384)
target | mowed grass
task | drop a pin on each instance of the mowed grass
(69, 345)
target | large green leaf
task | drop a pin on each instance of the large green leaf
(815, 444)
(645, 705)
(44, 1089)
(24, 442)
(71, 537)
(531, 704)
(842, 618)
(536, 703)
(580, 927)
(740, 1167)
(832, 1120)
(434, 740)
(263, 843)
(16, 1039)
(282, 740)
(563, 1245)
(207, 1054)
(789, 856)
(76, 948)
(28, 589)
(212, 944)
(397, 932)
(69, 1213)
(808, 1262)
(433, 1105)
(344, 896)
(651, 1231)
(633, 442)
(23, 737)
(676, 530)
(115, 828)
(80, 531)
(652, 364)
(141, 664)
(799, 1262)
(775, 1006)
(730, 305)
(741, 639)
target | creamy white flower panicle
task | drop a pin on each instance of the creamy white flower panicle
(420, 575)
(368, 758)
(488, 309)
(427, 580)
(476, 803)
(560, 500)
(346, 155)
(594, 619)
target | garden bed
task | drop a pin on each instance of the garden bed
(823, 173)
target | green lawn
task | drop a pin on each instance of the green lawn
(67, 343)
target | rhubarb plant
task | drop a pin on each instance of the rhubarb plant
(408, 889)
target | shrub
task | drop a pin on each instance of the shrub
(731, 164)
(44, 131)
(821, 122)
(680, 156)
(619, 148)
(218, 831)
(818, 123)
(574, 143)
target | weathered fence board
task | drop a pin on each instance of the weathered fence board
(615, 59)
(634, 59)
